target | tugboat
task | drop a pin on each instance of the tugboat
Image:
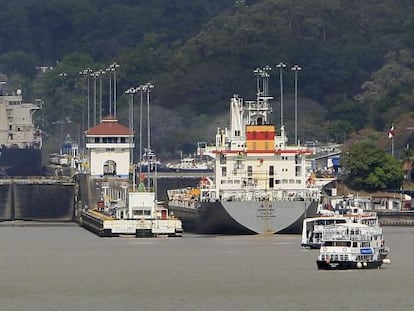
(352, 246)
(259, 184)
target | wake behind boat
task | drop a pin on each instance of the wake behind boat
(259, 183)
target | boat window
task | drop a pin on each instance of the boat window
(354, 244)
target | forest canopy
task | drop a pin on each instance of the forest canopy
(357, 62)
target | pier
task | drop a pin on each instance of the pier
(396, 218)
(37, 199)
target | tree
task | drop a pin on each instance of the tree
(369, 168)
(407, 160)
(18, 62)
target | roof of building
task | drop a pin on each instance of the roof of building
(109, 126)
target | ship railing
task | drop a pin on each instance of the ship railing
(339, 232)
(263, 195)
(184, 203)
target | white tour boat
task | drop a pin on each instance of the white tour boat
(352, 246)
(313, 227)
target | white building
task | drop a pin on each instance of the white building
(109, 145)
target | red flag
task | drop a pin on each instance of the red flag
(391, 132)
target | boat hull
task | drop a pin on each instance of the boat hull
(346, 265)
(238, 217)
(20, 162)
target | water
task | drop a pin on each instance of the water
(68, 268)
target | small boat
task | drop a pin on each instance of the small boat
(352, 246)
(190, 164)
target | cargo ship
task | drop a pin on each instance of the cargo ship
(260, 184)
(20, 140)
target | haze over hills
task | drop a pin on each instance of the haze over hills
(357, 62)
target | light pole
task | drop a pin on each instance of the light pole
(148, 88)
(141, 89)
(62, 76)
(100, 74)
(131, 92)
(266, 69)
(86, 72)
(109, 69)
(281, 66)
(112, 68)
(94, 75)
(296, 68)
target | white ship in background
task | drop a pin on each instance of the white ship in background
(260, 183)
(193, 163)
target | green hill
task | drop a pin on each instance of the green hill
(356, 60)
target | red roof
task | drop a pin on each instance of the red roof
(109, 126)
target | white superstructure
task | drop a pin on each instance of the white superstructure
(109, 145)
(16, 123)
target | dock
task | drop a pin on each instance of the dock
(37, 199)
(396, 218)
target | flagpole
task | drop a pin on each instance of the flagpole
(391, 134)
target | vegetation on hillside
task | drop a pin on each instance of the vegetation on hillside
(357, 60)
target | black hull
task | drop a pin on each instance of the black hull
(212, 218)
(346, 265)
(187, 170)
(209, 218)
(20, 162)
